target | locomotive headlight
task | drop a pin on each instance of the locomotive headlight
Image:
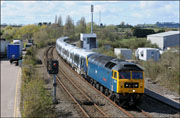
(133, 91)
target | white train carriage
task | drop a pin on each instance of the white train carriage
(80, 60)
(59, 45)
(68, 48)
(75, 56)
(71, 55)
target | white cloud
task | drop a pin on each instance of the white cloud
(112, 12)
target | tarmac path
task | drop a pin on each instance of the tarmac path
(10, 89)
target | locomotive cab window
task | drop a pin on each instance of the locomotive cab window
(124, 75)
(137, 75)
(115, 74)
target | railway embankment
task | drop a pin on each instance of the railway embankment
(35, 100)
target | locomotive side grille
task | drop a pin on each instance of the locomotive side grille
(131, 85)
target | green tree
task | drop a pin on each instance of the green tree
(9, 33)
(81, 26)
(95, 27)
(138, 32)
(69, 26)
(26, 32)
(59, 22)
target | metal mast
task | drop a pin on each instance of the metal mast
(91, 18)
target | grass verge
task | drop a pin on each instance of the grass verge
(35, 100)
(165, 71)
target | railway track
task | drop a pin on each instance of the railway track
(85, 104)
(131, 115)
(135, 112)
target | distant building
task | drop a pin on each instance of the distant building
(88, 41)
(165, 39)
(124, 52)
(147, 54)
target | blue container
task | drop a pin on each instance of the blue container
(13, 52)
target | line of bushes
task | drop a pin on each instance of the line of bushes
(132, 43)
(165, 71)
(35, 100)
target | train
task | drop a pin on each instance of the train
(120, 80)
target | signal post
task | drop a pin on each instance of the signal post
(52, 68)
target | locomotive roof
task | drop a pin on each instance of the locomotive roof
(100, 59)
(113, 63)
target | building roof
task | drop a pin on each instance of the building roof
(165, 34)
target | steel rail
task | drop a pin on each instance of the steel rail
(84, 112)
(105, 115)
(145, 113)
(123, 110)
(46, 57)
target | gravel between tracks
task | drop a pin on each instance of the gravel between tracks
(153, 107)
(67, 108)
(104, 104)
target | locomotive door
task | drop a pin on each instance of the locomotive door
(114, 80)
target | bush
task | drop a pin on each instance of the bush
(35, 100)
(138, 32)
(166, 71)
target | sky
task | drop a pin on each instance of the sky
(112, 12)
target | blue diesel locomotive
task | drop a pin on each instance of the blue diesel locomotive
(120, 80)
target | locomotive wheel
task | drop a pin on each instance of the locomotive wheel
(106, 92)
(11, 61)
(112, 97)
(91, 81)
(97, 86)
(117, 101)
(94, 84)
(102, 89)
(17, 63)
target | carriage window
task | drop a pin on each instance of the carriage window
(76, 59)
(124, 75)
(71, 55)
(67, 53)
